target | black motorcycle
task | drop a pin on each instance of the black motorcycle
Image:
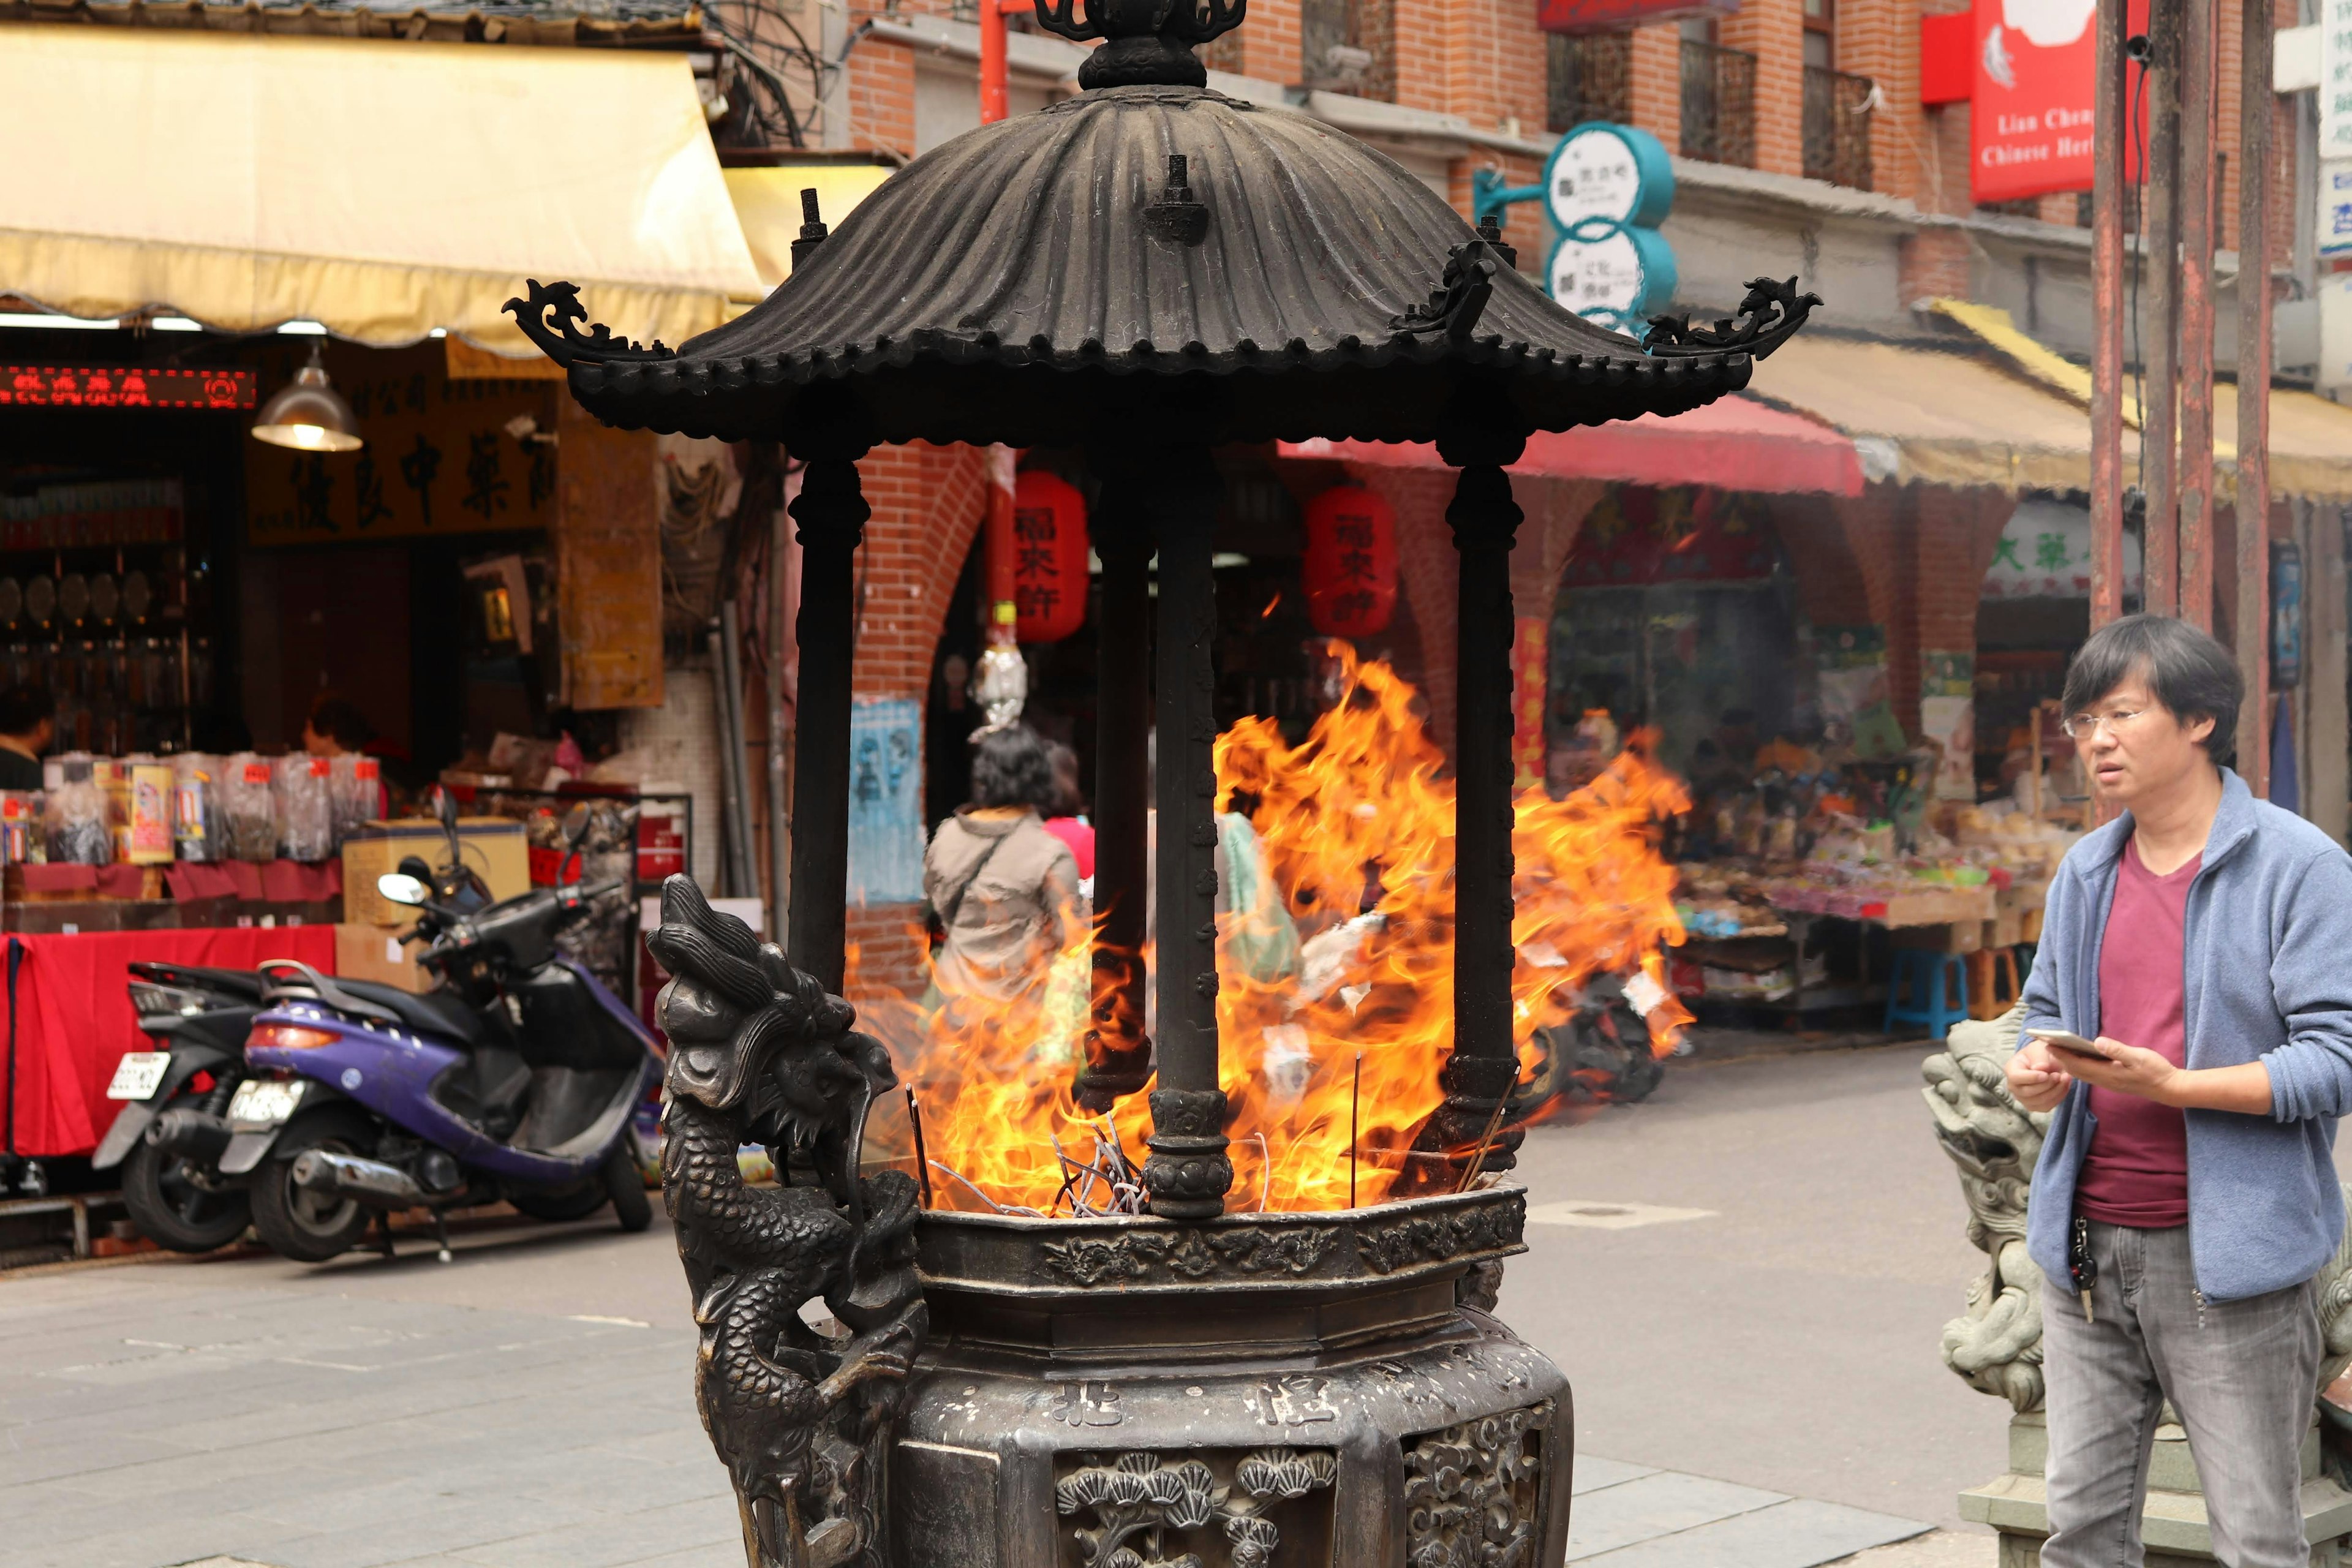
(168, 1138)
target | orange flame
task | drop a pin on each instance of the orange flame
(1346, 955)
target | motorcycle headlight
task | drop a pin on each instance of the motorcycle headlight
(288, 1038)
(148, 998)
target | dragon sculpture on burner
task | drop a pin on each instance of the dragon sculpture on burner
(761, 1054)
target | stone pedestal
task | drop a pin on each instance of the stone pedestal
(2173, 1527)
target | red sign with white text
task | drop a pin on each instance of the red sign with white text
(2030, 116)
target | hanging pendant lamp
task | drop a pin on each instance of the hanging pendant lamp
(308, 413)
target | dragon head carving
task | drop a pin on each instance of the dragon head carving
(751, 1036)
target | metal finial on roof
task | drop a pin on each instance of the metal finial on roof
(1151, 41)
(813, 229)
(1176, 216)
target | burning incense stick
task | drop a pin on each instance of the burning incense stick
(1355, 1097)
(922, 1161)
(1485, 1141)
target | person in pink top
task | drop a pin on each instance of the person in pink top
(1068, 823)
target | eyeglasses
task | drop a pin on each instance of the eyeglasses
(2083, 726)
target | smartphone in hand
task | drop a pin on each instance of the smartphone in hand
(2071, 1044)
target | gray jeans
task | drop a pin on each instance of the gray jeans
(2242, 1374)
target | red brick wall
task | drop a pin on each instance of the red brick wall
(1829, 586)
(1880, 40)
(1270, 42)
(882, 96)
(1956, 532)
(1774, 32)
(1657, 83)
(1921, 552)
(927, 503)
(889, 950)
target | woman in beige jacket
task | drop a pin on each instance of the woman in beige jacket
(1005, 891)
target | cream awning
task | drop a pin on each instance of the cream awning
(381, 189)
(1917, 414)
(768, 202)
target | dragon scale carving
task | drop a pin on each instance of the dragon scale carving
(760, 1053)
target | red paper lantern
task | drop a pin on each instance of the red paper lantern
(1049, 556)
(1351, 569)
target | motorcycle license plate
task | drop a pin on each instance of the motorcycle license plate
(137, 1074)
(264, 1102)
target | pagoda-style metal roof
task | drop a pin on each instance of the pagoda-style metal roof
(1019, 281)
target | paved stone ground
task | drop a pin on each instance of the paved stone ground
(1752, 1338)
(156, 1416)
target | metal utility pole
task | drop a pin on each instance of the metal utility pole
(2256, 107)
(2199, 76)
(2107, 297)
(2160, 279)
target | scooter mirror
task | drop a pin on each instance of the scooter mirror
(445, 807)
(402, 888)
(575, 824)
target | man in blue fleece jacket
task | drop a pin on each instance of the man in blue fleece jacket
(2187, 1193)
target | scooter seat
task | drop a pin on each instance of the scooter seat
(436, 1012)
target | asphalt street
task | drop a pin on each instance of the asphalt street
(1744, 1278)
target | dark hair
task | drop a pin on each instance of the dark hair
(1011, 767)
(1067, 801)
(22, 709)
(340, 720)
(2193, 676)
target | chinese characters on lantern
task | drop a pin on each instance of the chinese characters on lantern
(1349, 570)
(1049, 557)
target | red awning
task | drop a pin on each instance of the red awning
(1733, 444)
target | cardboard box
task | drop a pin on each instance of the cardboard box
(377, 953)
(1959, 936)
(493, 845)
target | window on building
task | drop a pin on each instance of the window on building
(1718, 109)
(1591, 78)
(1837, 105)
(1349, 45)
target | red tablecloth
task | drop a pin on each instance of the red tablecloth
(74, 1020)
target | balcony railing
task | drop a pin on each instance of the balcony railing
(1837, 127)
(1591, 78)
(1718, 104)
(1349, 45)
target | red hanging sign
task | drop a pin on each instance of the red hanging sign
(1049, 557)
(2030, 110)
(1351, 567)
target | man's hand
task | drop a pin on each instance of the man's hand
(2130, 1069)
(2035, 1077)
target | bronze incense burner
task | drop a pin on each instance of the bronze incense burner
(1145, 270)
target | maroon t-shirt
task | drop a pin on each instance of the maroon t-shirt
(2136, 1172)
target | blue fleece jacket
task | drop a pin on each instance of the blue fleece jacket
(2268, 952)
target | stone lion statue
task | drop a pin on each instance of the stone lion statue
(1996, 1344)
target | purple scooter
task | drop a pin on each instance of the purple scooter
(515, 1080)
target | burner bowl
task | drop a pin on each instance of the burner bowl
(1263, 1389)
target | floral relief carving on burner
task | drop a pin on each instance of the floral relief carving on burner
(1472, 1492)
(1191, 1255)
(1438, 1238)
(1142, 1510)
